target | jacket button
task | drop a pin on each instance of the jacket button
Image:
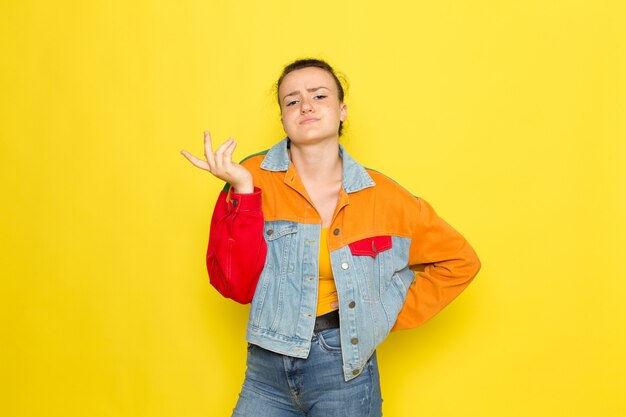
(356, 372)
(269, 232)
(354, 341)
(336, 232)
(235, 202)
(345, 265)
(352, 304)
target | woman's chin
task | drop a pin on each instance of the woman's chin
(311, 138)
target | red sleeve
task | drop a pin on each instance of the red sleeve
(236, 253)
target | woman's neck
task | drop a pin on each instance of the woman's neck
(318, 161)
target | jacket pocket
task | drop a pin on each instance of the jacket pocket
(281, 240)
(370, 246)
(373, 258)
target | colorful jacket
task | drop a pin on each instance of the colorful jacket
(395, 262)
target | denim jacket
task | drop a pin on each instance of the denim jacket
(395, 262)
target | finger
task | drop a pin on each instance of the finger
(197, 162)
(220, 150)
(227, 158)
(219, 154)
(208, 150)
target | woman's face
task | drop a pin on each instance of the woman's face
(310, 106)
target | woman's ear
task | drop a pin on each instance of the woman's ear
(343, 112)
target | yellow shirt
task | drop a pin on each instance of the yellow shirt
(327, 292)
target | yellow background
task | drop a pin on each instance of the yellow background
(507, 116)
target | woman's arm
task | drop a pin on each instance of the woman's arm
(444, 265)
(237, 249)
(236, 253)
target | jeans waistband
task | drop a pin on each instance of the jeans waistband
(327, 321)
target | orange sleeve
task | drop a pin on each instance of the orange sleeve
(444, 263)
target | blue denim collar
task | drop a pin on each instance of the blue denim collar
(354, 176)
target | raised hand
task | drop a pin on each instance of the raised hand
(221, 165)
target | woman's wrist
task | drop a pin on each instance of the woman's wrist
(246, 187)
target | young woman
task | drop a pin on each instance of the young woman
(333, 256)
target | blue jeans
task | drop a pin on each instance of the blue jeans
(282, 386)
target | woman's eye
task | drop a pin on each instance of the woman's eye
(291, 103)
(319, 97)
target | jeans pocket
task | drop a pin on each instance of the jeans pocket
(330, 340)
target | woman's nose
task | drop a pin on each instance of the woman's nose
(305, 106)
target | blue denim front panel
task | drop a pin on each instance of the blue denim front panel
(282, 315)
(283, 386)
(281, 237)
(378, 288)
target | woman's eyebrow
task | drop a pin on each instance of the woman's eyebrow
(310, 90)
